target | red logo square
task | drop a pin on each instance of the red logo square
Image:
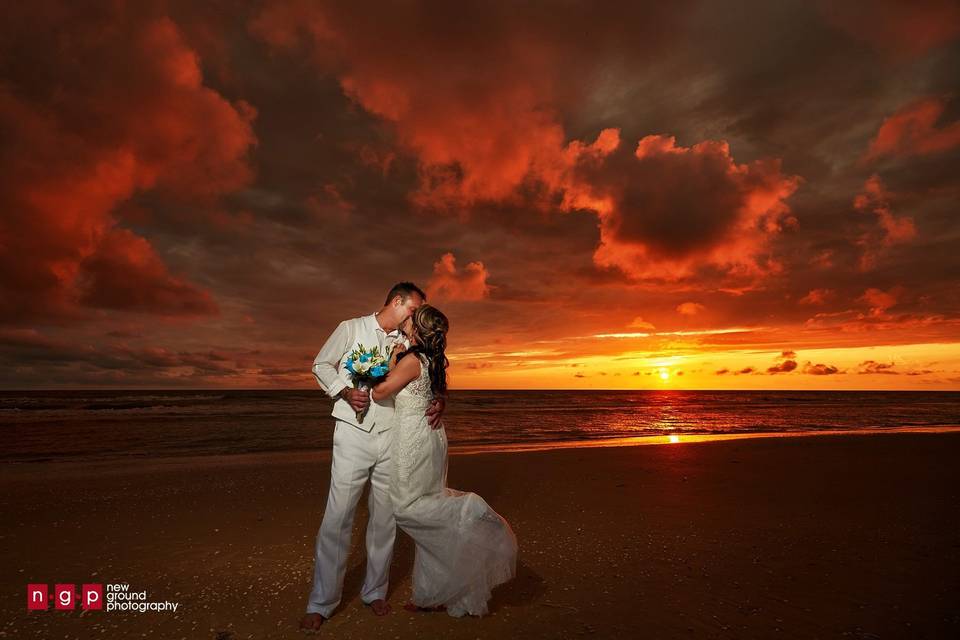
(37, 597)
(65, 596)
(92, 596)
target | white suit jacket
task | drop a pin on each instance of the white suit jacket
(332, 375)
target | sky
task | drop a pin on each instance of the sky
(635, 195)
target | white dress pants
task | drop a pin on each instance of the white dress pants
(358, 456)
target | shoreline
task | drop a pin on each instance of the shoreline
(685, 438)
(215, 460)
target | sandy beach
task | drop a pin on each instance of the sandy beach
(812, 537)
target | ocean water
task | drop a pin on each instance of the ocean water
(100, 425)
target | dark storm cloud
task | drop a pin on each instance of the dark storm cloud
(227, 174)
(784, 367)
(819, 369)
(871, 367)
(96, 106)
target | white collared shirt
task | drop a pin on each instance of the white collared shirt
(332, 375)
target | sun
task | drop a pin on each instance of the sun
(664, 374)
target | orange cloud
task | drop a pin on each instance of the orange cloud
(690, 308)
(484, 124)
(450, 283)
(640, 323)
(823, 259)
(115, 105)
(816, 296)
(913, 131)
(880, 300)
(477, 118)
(893, 230)
(665, 210)
(126, 273)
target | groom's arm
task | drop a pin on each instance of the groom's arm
(326, 362)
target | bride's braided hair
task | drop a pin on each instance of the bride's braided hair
(431, 327)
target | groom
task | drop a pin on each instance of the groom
(361, 452)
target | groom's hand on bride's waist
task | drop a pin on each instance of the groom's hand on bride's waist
(435, 413)
(356, 398)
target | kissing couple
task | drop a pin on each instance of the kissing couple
(463, 548)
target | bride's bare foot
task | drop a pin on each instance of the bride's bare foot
(415, 609)
(311, 622)
(380, 607)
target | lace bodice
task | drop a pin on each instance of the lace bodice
(419, 387)
(411, 404)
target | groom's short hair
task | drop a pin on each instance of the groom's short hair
(405, 290)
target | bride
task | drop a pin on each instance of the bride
(463, 547)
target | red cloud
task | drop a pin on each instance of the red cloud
(880, 300)
(476, 117)
(666, 209)
(450, 283)
(484, 124)
(125, 273)
(892, 230)
(111, 106)
(902, 29)
(474, 93)
(912, 131)
(816, 296)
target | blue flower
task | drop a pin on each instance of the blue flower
(378, 371)
(364, 357)
(350, 365)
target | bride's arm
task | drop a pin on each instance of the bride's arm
(402, 373)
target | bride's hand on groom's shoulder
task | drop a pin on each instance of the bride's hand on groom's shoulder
(395, 353)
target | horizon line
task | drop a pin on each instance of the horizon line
(458, 389)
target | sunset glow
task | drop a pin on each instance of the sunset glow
(622, 199)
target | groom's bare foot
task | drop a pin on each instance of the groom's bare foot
(380, 607)
(311, 622)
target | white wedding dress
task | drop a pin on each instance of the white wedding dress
(463, 547)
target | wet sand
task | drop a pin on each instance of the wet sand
(838, 536)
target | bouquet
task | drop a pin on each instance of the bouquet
(367, 367)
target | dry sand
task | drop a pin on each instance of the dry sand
(812, 537)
